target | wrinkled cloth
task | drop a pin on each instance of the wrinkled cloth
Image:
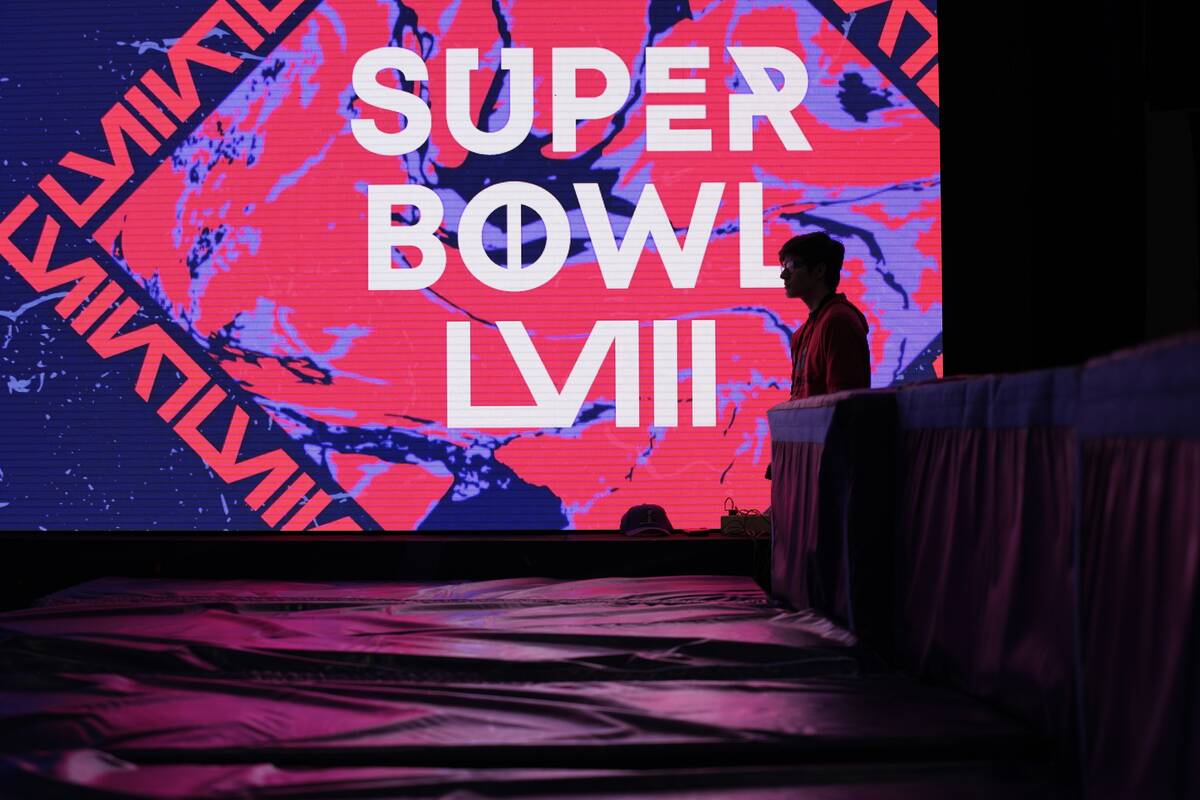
(984, 553)
(321, 690)
(832, 509)
(1047, 551)
(47, 778)
(1140, 553)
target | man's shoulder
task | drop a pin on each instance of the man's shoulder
(843, 313)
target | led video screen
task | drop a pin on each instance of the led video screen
(448, 264)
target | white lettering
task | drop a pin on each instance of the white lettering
(560, 409)
(569, 109)
(617, 263)
(371, 91)
(704, 373)
(764, 99)
(382, 236)
(514, 195)
(459, 65)
(659, 135)
(666, 373)
(753, 274)
(551, 408)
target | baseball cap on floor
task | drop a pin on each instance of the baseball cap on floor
(646, 520)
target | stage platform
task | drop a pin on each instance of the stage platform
(39, 563)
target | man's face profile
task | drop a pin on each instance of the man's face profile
(798, 277)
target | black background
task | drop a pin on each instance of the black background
(1069, 180)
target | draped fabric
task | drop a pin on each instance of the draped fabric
(796, 574)
(1141, 628)
(984, 567)
(832, 493)
(1140, 431)
(798, 432)
(1046, 550)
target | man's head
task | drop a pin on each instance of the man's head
(812, 265)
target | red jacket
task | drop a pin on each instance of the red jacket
(830, 352)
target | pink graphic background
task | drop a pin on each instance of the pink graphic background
(253, 236)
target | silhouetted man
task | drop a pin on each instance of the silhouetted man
(829, 352)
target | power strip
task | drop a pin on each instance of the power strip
(753, 525)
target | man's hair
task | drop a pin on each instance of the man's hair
(817, 248)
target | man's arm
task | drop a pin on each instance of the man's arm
(848, 365)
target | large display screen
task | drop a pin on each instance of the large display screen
(455, 264)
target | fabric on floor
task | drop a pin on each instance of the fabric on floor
(108, 777)
(523, 686)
